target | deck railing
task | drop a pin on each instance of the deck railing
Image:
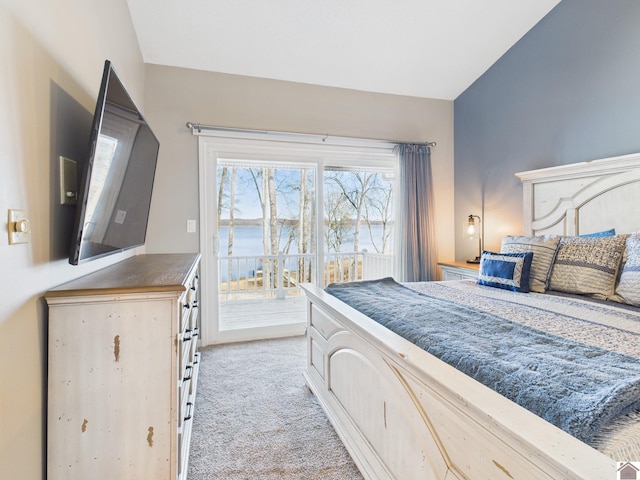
(376, 265)
(279, 275)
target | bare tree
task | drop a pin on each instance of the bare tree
(338, 222)
(379, 202)
(337, 229)
(313, 224)
(273, 210)
(303, 221)
(302, 212)
(232, 209)
(309, 225)
(354, 187)
(273, 222)
(260, 182)
(221, 187)
(232, 216)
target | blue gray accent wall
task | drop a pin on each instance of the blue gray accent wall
(568, 91)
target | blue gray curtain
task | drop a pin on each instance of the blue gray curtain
(416, 256)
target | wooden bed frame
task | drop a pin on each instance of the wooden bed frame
(404, 414)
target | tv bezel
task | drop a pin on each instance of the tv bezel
(84, 185)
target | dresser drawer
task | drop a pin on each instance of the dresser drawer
(185, 355)
(192, 292)
(194, 344)
(185, 317)
(459, 271)
(185, 392)
(193, 316)
(194, 375)
(184, 439)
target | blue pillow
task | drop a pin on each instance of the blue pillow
(509, 271)
(605, 233)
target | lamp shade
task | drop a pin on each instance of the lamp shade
(472, 228)
(472, 231)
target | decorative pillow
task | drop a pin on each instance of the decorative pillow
(505, 270)
(544, 251)
(628, 289)
(588, 265)
(605, 233)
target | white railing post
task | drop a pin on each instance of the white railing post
(280, 276)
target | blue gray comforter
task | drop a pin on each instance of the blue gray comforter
(577, 387)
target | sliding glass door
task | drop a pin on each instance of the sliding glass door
(277, 214)
(267, 244)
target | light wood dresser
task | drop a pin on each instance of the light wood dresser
(123, 369)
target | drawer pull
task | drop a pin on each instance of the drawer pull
(188, 372)
(189, 412)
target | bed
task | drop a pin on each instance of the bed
(404, 411)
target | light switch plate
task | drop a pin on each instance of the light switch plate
(18, 227)
(191, 226)
(68, 181)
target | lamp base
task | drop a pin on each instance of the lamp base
(475, 260)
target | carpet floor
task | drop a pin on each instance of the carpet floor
(256, 419)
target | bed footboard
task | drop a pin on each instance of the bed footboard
(404, 414)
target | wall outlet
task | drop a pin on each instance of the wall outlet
(191, 226)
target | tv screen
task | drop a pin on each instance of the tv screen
(117, 180)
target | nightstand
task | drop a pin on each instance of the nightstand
(459, 270)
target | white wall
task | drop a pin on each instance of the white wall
(175, 96)
(52, 54)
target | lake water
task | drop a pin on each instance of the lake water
(247, 241)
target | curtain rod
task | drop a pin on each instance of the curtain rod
(199, 127)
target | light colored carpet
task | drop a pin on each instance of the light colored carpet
(256, 419)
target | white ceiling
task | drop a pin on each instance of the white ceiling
(423, 48)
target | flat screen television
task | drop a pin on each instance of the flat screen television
(117, 179)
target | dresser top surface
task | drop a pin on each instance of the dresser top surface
(139, 274)
(460, 264)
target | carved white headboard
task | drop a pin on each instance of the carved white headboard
(583, 197)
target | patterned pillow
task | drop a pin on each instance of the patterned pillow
(509, 271)
(544, 251)
(628, 289)
(588, 265)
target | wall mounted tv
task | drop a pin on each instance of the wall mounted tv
(117, 179)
